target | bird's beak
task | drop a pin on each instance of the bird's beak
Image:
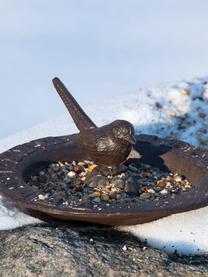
(132, 139)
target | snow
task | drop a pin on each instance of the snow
(175, 110)
(11, 217)
(185, 233)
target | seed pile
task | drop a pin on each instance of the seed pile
(78, 184)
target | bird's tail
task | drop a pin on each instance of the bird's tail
(82, 121)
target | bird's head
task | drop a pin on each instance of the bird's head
(123, 130)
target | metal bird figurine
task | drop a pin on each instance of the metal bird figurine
(108, 146)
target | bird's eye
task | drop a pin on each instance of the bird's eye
(125, 131)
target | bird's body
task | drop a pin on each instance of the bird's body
(107, 146)
(103, 147)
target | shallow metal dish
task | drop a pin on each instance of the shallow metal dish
(19, 162)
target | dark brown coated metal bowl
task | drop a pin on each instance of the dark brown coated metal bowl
(19, 162)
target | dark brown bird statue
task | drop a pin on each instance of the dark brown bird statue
(108, 146)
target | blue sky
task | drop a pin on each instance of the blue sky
(98, 48)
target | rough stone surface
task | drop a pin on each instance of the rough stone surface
(87, 250)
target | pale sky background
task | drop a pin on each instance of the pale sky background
(98, 48)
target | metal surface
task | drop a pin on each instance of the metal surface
(19, 162)
(108, 145)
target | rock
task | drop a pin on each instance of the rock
(41, 197)
(145, 196)
(59, 197)
(68, 166)
(77, 169)
(104, 197)
(78, 182)
(91, 168)
(85, 198)
(78, 188)
(161, 184)
(113, 194)
(55, 167)
(164, 192)
(133, 168)
(177, 179)
(87, 250)
(96, 181)
(119, 183)
(151, 191)
(131, 186)
(71, 174)
(97, 200)
(95, 194)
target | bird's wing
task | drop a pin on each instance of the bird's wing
(82, 121)
(96, 141)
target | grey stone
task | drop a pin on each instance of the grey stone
(97, 181)
(87, 250)
(131, 186)
(119, 183)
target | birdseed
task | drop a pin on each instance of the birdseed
(78, 184)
